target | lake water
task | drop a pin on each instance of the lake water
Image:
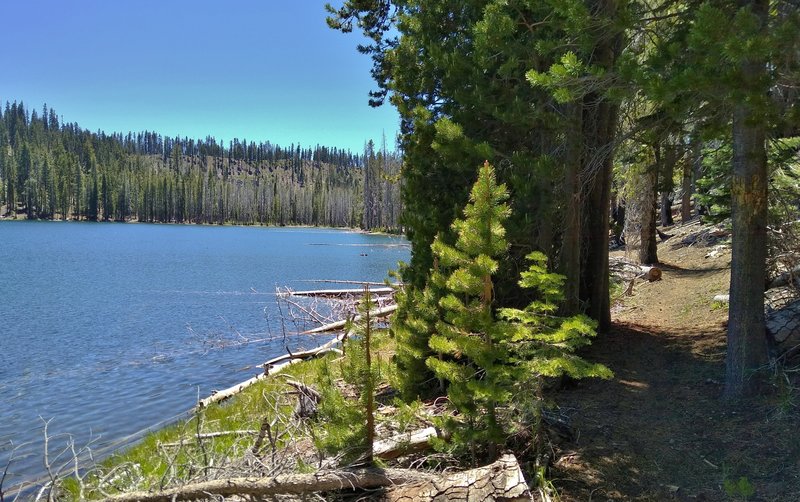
(107, 329)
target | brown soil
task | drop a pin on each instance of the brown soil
(658, 430)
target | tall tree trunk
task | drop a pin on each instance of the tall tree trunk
(687, 182)
(599, 125)
(571, 244)
(648, 249)
(666, 173)
(747, 344)
(599, 129)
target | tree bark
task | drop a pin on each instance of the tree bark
(599, 130)
(571, 244)
(667, 172)
(502, 480)
(648, 250)
(687, 181)
(747, 343)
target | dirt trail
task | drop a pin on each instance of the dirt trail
(658, 430)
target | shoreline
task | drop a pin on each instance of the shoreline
(191, 223)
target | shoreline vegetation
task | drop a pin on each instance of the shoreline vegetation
(398, 232)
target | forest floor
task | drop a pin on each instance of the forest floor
(659, 430)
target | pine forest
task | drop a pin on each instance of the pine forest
(55, 170)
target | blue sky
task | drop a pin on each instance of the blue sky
(260, 70)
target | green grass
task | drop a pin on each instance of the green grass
(156, 459)
(174, 454)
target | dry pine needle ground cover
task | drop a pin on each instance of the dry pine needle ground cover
(659, 430)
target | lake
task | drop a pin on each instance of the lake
(108, 329)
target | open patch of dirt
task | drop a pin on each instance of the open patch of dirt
(658, 430)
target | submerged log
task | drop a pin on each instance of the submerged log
(502, 480)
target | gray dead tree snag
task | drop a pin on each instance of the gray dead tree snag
(500, 481)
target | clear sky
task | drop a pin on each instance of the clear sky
(251, 69)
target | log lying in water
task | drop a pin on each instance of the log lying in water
(222, 395)
(502, 480)
(339, 293)
(280, 363)
(381, 312)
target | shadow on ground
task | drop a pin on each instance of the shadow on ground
(659, 430)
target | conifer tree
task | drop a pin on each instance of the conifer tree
(412, 325)
(474, 358)
(484, 353)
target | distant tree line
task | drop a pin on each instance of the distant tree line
(55, 170)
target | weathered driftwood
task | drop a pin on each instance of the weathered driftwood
(273, 366)
(305, 354)
(502, 480)
(403, 444)
(211, 435)
(224, 394)
(339, 293)
(339, 281)
(381, 312)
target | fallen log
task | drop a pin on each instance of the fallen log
(381, 312)
(232, 391)
(211, 435)
(502, 480)
(651, 273)
(403, 444)
(339, 293)
(273, 366)
(361, 283)
(305, 354)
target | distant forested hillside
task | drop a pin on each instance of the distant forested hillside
(55, 170)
